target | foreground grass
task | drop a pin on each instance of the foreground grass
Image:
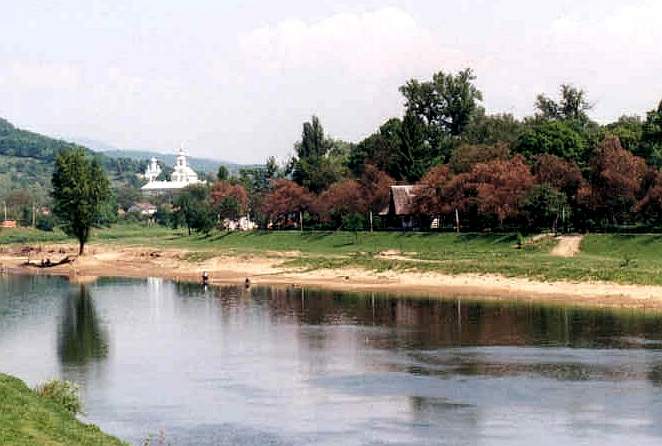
(635, 259)
(27, 419)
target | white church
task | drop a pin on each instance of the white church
(182, 176)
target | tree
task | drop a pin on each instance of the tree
(572, 105)
(194, 210)
(629, 131)
(286, 198)
(446, 104)
(431, 199)
(492, 129)
(312, 167)
(80, 191)
(381, 149)
(466, 156)
(229, 200)
(544, 207)
(650, 206)
(375, 186)
(615, 183)
(414, 154)
(553, 137)
(223, 173)
(502, 186)
(651, 137)
(561, 175)
(342, 199)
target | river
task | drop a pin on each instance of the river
(280, 366)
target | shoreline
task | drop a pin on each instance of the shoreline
(268, 269)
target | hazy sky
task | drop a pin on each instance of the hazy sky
(235, 79)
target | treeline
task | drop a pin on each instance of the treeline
(557, 169)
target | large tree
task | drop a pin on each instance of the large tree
(230, 200)
(651, 137)
(192, 208)
(80, 191)
(572, 105)
(285, 199)
(445, 105)
(616, 180)
(447, 102)
(315, 165)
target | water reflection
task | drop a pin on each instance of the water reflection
(81, 339)
(226, 365)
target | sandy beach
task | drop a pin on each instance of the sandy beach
(270, 269)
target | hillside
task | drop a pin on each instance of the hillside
(27, 419)
(27, 158)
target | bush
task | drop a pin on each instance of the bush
(64, 393)
(45, 223)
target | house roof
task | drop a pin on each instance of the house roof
(402, 199)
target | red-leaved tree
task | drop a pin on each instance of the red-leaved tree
(285, 200)
(616, 179)
(501, 186)
(230, 200)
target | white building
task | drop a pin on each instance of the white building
(182, 176)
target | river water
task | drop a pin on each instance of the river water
(290, 366)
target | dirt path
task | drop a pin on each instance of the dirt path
(568, 246)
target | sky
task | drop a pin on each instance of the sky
(235, 80)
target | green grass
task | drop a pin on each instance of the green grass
(619, 258)
(27, 419)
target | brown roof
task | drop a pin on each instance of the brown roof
(401, 200)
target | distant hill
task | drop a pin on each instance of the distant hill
(27, 159)
(200, 165)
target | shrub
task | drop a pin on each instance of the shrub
(64, 393)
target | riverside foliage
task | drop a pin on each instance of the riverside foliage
(555, 170)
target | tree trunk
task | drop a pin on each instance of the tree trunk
(81, 247)
(370, 220)
(301, 220)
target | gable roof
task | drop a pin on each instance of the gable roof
(402, 198)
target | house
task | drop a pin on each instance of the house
(400, 210)
(241, 224)
(144, 209)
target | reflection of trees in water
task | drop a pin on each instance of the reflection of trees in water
(81, 339)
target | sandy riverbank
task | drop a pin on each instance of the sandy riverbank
(269, 269)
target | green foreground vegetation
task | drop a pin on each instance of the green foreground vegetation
(622, 258)
(28, 419)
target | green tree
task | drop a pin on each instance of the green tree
(652, 137)
(194, 210)
(445, 105)
(80, 193)
(545, 207)
(558, 138)
(314, 166)
(381, 149)
(223, 173)
(572, 105)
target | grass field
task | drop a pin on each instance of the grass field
(27, 419)
(612, 257)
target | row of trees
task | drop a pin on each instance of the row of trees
(555, 169)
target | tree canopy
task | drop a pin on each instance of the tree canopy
(80, 192)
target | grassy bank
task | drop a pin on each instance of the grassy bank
(27, 419)
(619, 258)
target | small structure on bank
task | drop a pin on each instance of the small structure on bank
(143, 209)
(400, 210)
(181, 177)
